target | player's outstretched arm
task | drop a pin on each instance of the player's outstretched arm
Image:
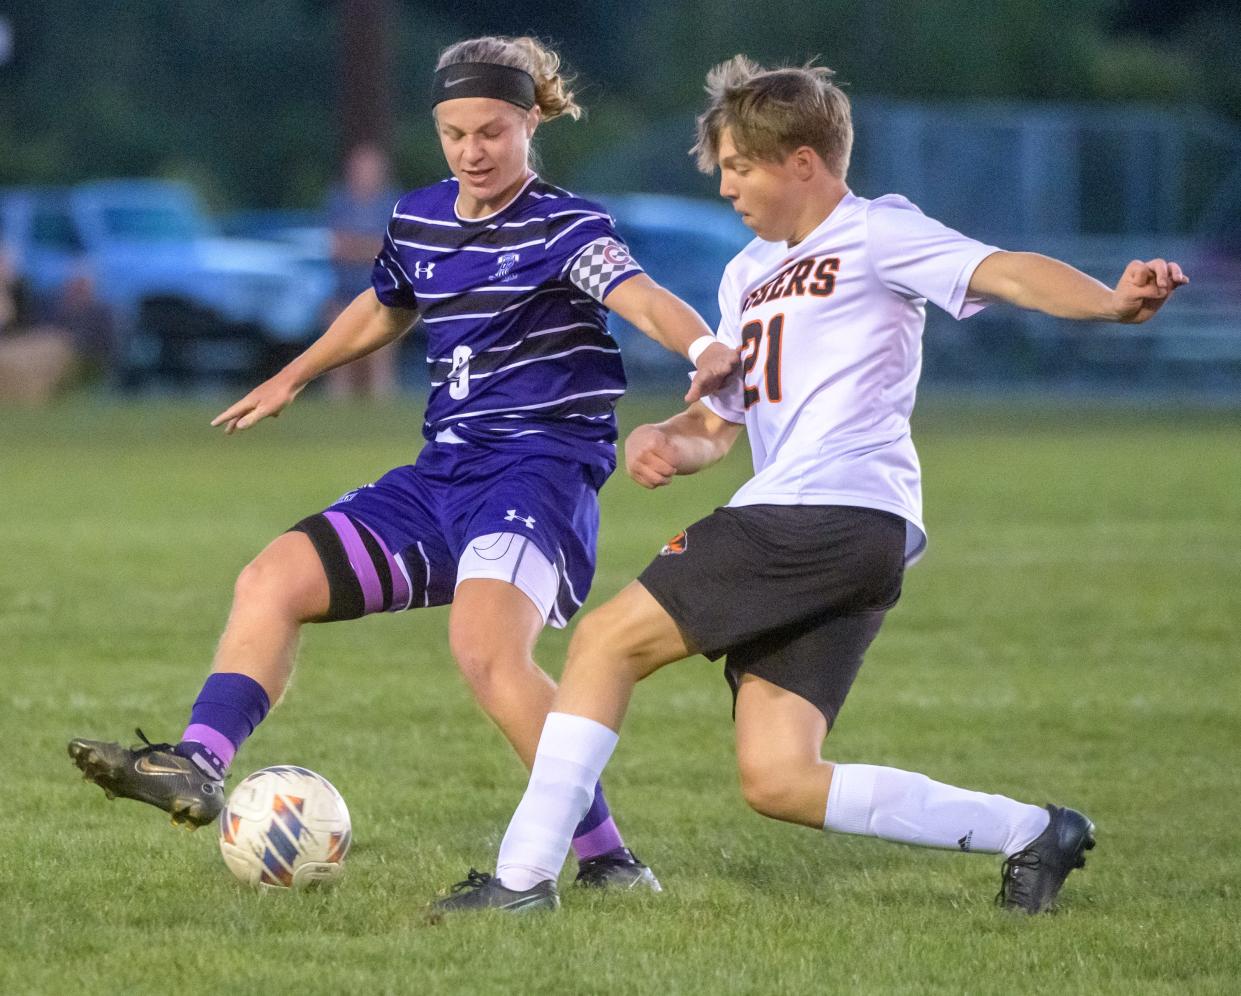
(363, 327)
(1041, 283)
(684, 444)
(676, 326)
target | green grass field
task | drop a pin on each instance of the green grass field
(1072, 635)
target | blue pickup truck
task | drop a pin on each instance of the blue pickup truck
(188, 302)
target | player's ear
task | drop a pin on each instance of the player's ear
(533, 117)
(803, 162)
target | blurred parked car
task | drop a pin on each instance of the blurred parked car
(157, 260)
(304, 231)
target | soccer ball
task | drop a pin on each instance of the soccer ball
(285, 827)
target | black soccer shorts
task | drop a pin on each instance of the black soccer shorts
(793, 594)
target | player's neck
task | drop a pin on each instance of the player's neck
(469, 209)
(818, 201)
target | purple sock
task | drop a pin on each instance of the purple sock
(597, 833)
(227, 710)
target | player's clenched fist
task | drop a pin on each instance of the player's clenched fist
(650, 456)
(1144, 287)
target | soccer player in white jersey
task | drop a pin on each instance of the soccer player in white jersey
(791, 581)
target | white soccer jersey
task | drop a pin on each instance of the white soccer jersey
(830, 332)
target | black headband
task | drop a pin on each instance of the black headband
(483, 79)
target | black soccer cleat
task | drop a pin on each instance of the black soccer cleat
(152, 774)
(1031, 879)
(617, 869)
(480, 891)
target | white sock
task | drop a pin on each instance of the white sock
(912, 809)
(572, 753)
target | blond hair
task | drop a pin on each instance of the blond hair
(551, 90)
(772, 112)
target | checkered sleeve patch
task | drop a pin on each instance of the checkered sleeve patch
(598, 266)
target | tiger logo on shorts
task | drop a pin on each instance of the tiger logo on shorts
(674, 545)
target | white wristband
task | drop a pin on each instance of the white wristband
(699, 346)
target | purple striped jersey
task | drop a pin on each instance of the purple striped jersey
(517, 340)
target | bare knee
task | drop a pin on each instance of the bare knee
(770, 785)
(282, 582)
(606, 638)
(477, 661)
(485, 663)
(259, 583)
(592, 637)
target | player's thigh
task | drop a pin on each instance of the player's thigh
(286, 576)
(613, 648)
(631, 631)
(540, 512)
(381, 549)
(776, 729)
(492, 623)
(779, 738)
(512, 563)
(817, 662)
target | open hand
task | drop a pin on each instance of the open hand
(1144, 287)
(717, 365)
(267, 400)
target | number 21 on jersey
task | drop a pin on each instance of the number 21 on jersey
(752, 343)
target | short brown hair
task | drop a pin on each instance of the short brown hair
(551, 90)
(772, 112)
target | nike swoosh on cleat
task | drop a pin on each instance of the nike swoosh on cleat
(518, 904)
(146, 767)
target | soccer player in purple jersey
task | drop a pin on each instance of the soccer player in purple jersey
(499, 514)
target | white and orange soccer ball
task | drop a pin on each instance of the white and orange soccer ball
(285, 827)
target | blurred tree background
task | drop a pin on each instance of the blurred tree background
(247, 99)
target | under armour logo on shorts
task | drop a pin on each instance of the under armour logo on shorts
(514, 517)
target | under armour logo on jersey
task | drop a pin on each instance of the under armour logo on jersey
(514, 517)
(424, 270)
